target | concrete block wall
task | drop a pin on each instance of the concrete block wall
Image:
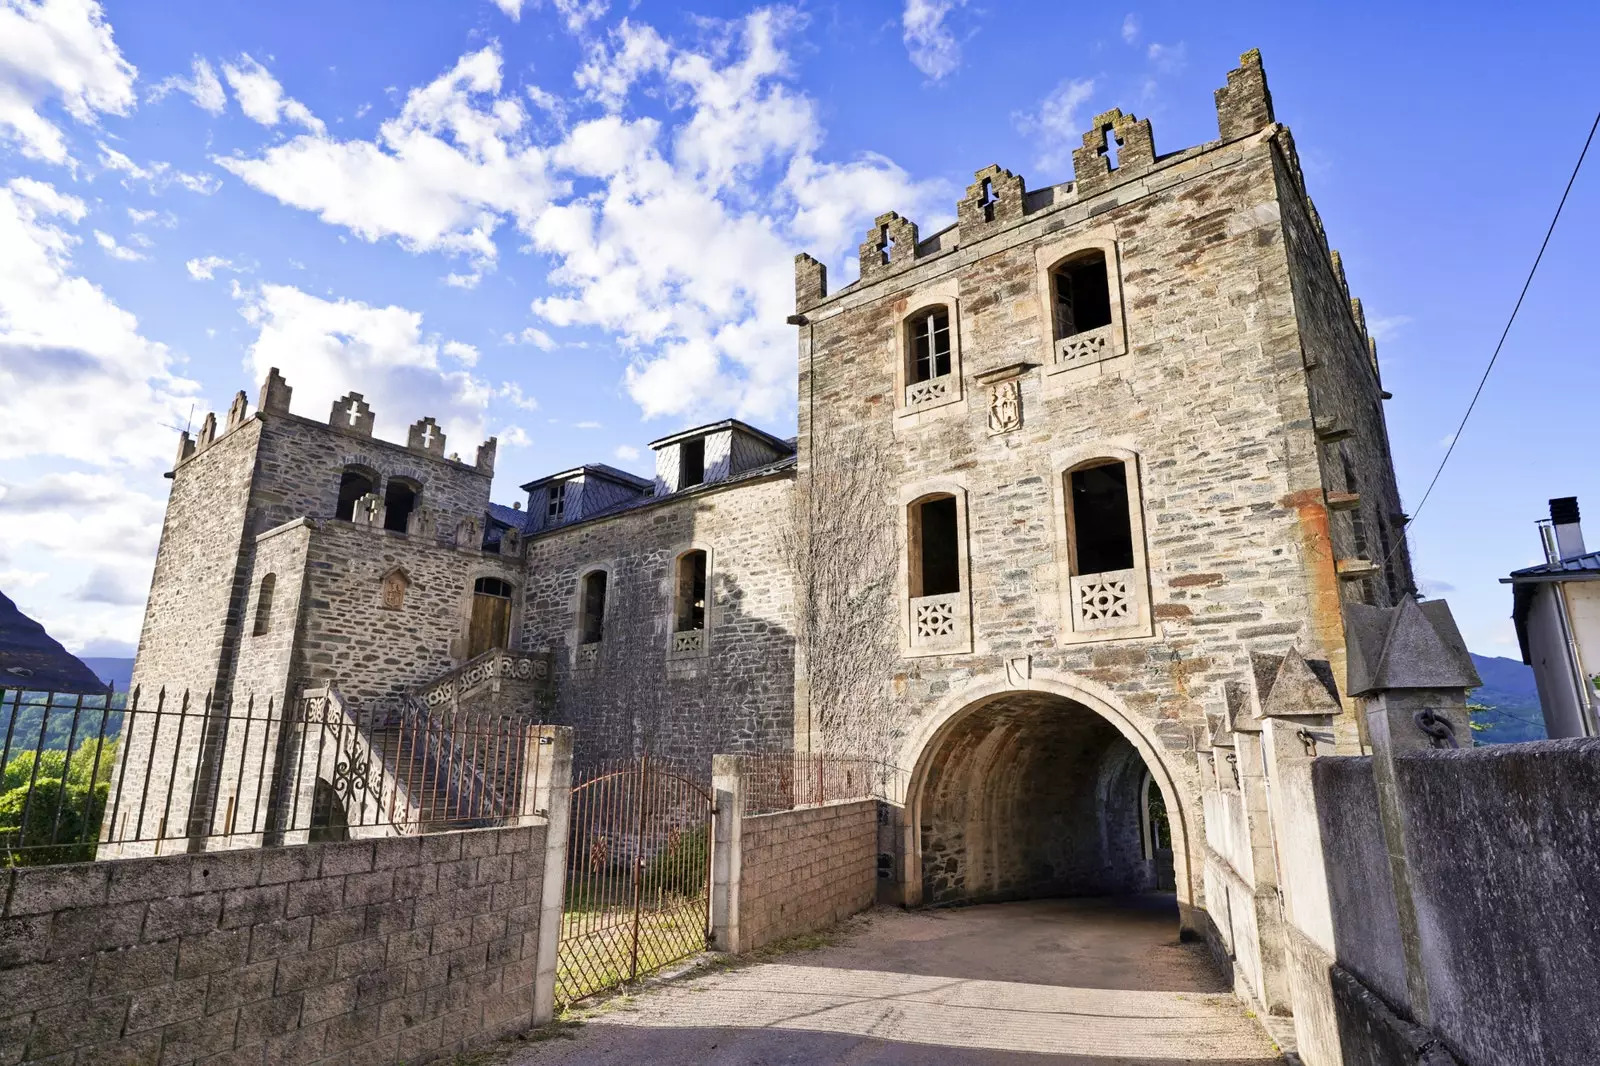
(803, 870)
(389, 951)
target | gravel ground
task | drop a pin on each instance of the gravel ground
(1079, 982)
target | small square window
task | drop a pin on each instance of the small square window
(557, 508)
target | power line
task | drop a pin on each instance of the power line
(1455, 438)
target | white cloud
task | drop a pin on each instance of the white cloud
(609, 73)
(155, 176)
(1168, 58)
(109, 244)
(14, 578)
(61, 50)
(575, 13)
(159, 218)
(627, 453)
(538, 338)
(1055, 126)
(463, 353)
(204, 87)
(1385, 327)
(514, 437)
(326, 348)
(440, 176)
(933, 48)
(511, 392)
(205, 268)
(77, 380)
(587, 425)
(1130, 28)
(261, 98)
(512, 8)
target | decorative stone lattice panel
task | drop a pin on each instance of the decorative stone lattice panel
(588, 654)
(1084, 348)
(689, 642)
(1104, 601)
(940, 621)
(934, 390)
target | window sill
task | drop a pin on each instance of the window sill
(939, 625)
(688, 644)
(1107, 606)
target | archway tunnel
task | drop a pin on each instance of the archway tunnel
(1032, 795)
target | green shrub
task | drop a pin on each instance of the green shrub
(63, 822)
(680, 868)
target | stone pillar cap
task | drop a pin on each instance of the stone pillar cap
(1413, 645)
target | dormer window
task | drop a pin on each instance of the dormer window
(557, 507)
(692, 462)
(930, 345)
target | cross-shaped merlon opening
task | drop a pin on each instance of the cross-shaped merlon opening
(988, 199)
(1109, 148)
(885, 244)
(354, 412)
(427, 436)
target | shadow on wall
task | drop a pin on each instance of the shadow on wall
(1502, 844)
(658, 684)
(1032, 796)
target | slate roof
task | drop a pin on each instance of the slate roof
(32, 658)
(1580, 567)
(604, 470)
(753, 474)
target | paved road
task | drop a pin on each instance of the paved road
(1069, 982)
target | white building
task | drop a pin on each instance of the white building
(1556, 607)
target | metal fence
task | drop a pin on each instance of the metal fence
(181, 771)
(782, 781)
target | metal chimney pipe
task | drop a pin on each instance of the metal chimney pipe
(1568, 531)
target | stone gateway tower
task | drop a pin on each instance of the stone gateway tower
(1065, 471)
(1131, 431)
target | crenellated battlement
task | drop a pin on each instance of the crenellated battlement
(1117, 149)
(350, 415)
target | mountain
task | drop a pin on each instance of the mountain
(118, 672)
(1510, 699)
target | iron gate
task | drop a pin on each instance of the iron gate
(638, 877)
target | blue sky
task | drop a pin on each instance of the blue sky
(570, 223)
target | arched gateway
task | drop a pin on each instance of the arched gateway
(1035, 787)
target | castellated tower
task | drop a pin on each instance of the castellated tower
(1131, 432)
(284, 540)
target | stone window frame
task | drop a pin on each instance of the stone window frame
(580, 657)
(469, 581)
(960, 643)
(1050, 254)
(1062, 464)
(945, 293)
(261, 618)
(689, 648)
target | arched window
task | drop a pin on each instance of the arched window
(491, 616)
(264, 605)
(934, 540)
(690, 608)
(400, 498)
(928, 345)
(354, 483)
(1080, 293)
(591, 623)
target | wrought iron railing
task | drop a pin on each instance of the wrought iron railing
(89, 777)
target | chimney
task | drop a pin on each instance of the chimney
(1569, 534)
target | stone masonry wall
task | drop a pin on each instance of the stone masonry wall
(805, 869)
(371, 652)
(738, 696)
(402, 950)
(1211, 397)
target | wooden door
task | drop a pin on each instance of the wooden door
(491, 623)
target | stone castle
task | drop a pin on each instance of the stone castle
(1061, 468)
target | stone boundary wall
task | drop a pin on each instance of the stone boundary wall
(387, 951)
(805, 869)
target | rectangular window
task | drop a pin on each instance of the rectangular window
(558, 502)
(691, 606)
(939, 547)
(930, 346)
(691, 462)
(594, 607)
(1102, 532)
